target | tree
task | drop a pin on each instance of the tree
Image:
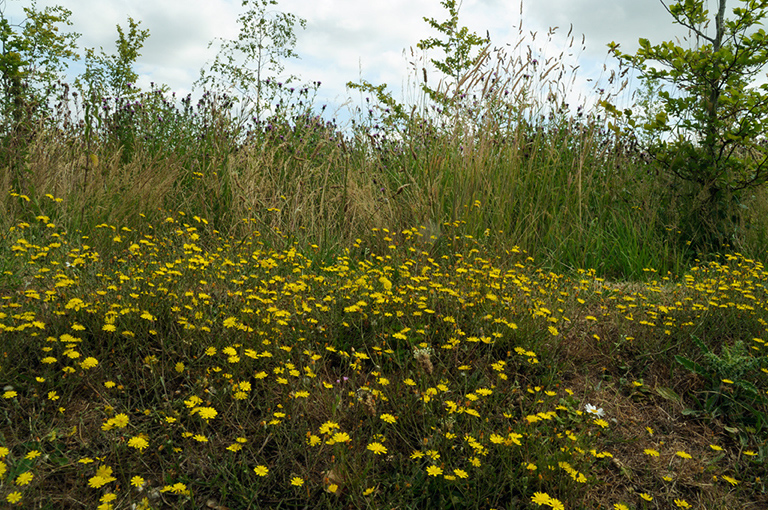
(710, 131)
(457, 46)
(458, 59)
(252, 62)
(33, 54)
(112, 75)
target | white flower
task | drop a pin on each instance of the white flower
(594, 410)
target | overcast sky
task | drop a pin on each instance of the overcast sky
(348, 39)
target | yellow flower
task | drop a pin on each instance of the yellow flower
(103, 477)
(682, 503)
(328, 427)
(540, 498)
(176, 488)
(13, 497)
(646, 496)
(556, 504)
(261, 470)
(460, 473)
(683, 455)
(730, 480)
(651, 452)
(137, 482)
(377, 448)
(434, 471)
(33, 454)
(138, 442)
(341, 437)
(388, 418)
(24, 478)
(297, 481)
(716, 448)
(620, 506)
(120, 420)
(89, 362)
(206, 413)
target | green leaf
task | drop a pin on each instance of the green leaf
(668, 394)
(692, 366)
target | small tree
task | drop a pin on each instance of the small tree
(112, 75)
(251, 62)
(457, 46)
(458, 58)
(711, 129)
(33, 55)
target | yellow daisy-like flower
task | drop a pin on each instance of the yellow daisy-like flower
(651, 452)
(297, 481)
(24, 478)
(620, 506)
(33, 454)
(388, 418)
(332, 488)
(176, 488)
(14, 497)
(206, 413)
(328, 427)
(601, 423)
(540, 498)
(646, 496)
(137, 482)
(683, 455)
(460, 473)
(261, 470)
(556, 504)
(716, 448)
(103, 477)
(681, 503)
(341, 437)
(434, 471)
(120, 420)
(138, 442)
(377, 448)
(89, 363)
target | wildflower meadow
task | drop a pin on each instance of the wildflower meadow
(488, 299)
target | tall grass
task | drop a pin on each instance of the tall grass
(501, 151)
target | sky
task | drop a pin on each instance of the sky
(346, 40)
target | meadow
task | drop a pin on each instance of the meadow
(498, 309)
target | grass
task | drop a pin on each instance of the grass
(487, 303)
